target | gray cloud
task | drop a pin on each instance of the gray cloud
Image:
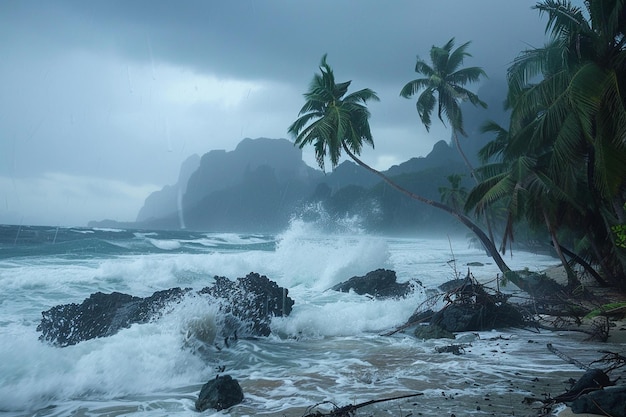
(118, 92)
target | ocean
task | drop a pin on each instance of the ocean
(329, 351)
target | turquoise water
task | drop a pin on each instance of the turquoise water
(330, 348)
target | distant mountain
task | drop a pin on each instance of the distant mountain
(261, 184)
(167, 201)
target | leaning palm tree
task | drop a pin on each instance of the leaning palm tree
(443, 85)
(579, 113)
(332, 121)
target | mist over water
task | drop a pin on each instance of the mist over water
(328, 349)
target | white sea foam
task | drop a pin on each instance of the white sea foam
(165, 244)
(328, 349)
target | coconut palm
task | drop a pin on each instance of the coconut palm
(454, 195)
(563, 159)
(333, 122)
(520, 180)
(443, 85)
(579, 112)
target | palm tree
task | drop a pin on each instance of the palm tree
(446, 80)
(454, 195)
(332, 121)
(519, 179)
(579, 113)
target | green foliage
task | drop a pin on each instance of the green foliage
(560, 164)
(605, 308)
(445, 79)
(330, 119)
(620, 235)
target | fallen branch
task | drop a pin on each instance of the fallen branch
(348, 410)
(566, 358)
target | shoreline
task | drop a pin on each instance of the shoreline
(616, 333)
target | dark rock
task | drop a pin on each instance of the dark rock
(420, 317)
(454, 349)
(432, 331)
(252, 301)
(475, 264)
(471, 307)
(456, 284)
(380, 283)
(592, 379)
(248, 305)
(221, 393)
(101, 315)
(606, 402)
(464, 317)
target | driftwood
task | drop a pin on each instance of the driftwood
(598, 330)
(349, 410)
(612, 359)
(567, 358)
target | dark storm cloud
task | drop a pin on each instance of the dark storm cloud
(121, 92)
(376, 40)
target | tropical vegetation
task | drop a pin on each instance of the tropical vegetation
(333, 122)
(443, 85)
(558, 165)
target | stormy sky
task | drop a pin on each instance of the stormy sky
(101, 101)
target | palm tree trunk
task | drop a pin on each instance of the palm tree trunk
(457, 142)
(466, 221)
(572, 279)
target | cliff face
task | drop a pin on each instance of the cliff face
(220, 170)
(166, 202)
(261, 184)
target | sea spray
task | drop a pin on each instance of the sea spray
(338, 258)
(328, 349)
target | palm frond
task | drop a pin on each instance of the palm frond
(413, 87)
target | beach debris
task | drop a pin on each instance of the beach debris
(469, 306)
(593, 392)
(349, 410)
(220, 393)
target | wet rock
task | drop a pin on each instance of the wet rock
(592, 379)
(454, 349)
(464, 317)
(220, 393)
(101, 315)
(247, 305)
(251, 302)
(609, 402)
(380, 283)
(456, 284)
(432, 331)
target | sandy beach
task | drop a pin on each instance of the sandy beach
(617, 332)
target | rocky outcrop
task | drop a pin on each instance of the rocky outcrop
(432, 331)
(467, 317)
(247, 305)
(220, 393)
(101, 315)
(469, 306)
(252, 300)
(608, 402)
(380, 283)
